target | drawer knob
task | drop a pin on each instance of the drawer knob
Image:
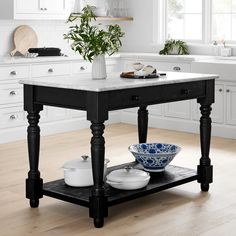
(185, 91)
(228, 91)
(13, 93)
(13, 72)
(13, 117)
(135, 98)
(220, 90)
(50, 70)
(177, 68)
(82, 68)
(45, 9)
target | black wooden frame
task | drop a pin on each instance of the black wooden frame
(97, 105)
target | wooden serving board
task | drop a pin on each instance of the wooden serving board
(24, 38)
(131, 75)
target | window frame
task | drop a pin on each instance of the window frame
(192, 40)
(160, 23)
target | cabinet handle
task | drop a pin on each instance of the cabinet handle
(13, 72)
(45, 9)
(42, 9)
(13, 93)
(221, 90)
(135, 98)
(50, 70)
(185, 91)
(177, 68)
(13, 117)
(82, 68)
(228, 91)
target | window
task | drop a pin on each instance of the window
(224, 19)
(184, 19)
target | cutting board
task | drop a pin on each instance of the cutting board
(24, 38)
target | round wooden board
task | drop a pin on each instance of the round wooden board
(24, 38)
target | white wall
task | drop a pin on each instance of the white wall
(50, 34)
(139, 35)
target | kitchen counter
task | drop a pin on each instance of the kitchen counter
(123, 55)
(23, 60)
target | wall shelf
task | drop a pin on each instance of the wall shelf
(109, 18)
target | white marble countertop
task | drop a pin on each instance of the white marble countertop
(113, 82)
(24, 60)
(132, 56)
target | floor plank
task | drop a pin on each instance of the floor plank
(183, 210)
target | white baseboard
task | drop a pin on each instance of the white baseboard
(18, 133)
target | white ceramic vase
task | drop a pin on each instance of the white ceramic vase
(99, 67)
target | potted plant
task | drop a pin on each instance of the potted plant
(174, 47)
(93, 41)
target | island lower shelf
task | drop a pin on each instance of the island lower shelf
(172, 177)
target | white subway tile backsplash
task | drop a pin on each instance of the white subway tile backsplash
(50, 34)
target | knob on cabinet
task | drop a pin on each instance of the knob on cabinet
(13, 72)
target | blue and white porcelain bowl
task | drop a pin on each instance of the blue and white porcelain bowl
(154, 157)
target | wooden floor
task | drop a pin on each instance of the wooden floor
(183, 210)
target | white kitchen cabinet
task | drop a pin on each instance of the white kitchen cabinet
(156, 110)
(231, 105)
(27, 6)
(55, 113)
(35, 9)
(163, 66)
(217, 113)
(50, 69)
(178, 110)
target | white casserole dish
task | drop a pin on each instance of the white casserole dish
(78, 173)
(128, 179)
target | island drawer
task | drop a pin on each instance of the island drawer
(156, 94)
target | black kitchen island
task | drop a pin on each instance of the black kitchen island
(97, 98)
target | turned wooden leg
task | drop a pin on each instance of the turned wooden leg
(205, 169)
(98, 201)
(142, 124)
(34, 183)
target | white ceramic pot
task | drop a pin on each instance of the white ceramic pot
(99, 67)
(128, 179)
(78, 173)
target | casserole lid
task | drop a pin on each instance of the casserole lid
(84, 163)
(128, 174)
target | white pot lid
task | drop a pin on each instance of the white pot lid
(84, 163)
(128, 174)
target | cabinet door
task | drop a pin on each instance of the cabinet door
(178, 110)
(217, 113)
(54, 6)
(56, 113)
(231, 104)
(27, 6)
(156, 110)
